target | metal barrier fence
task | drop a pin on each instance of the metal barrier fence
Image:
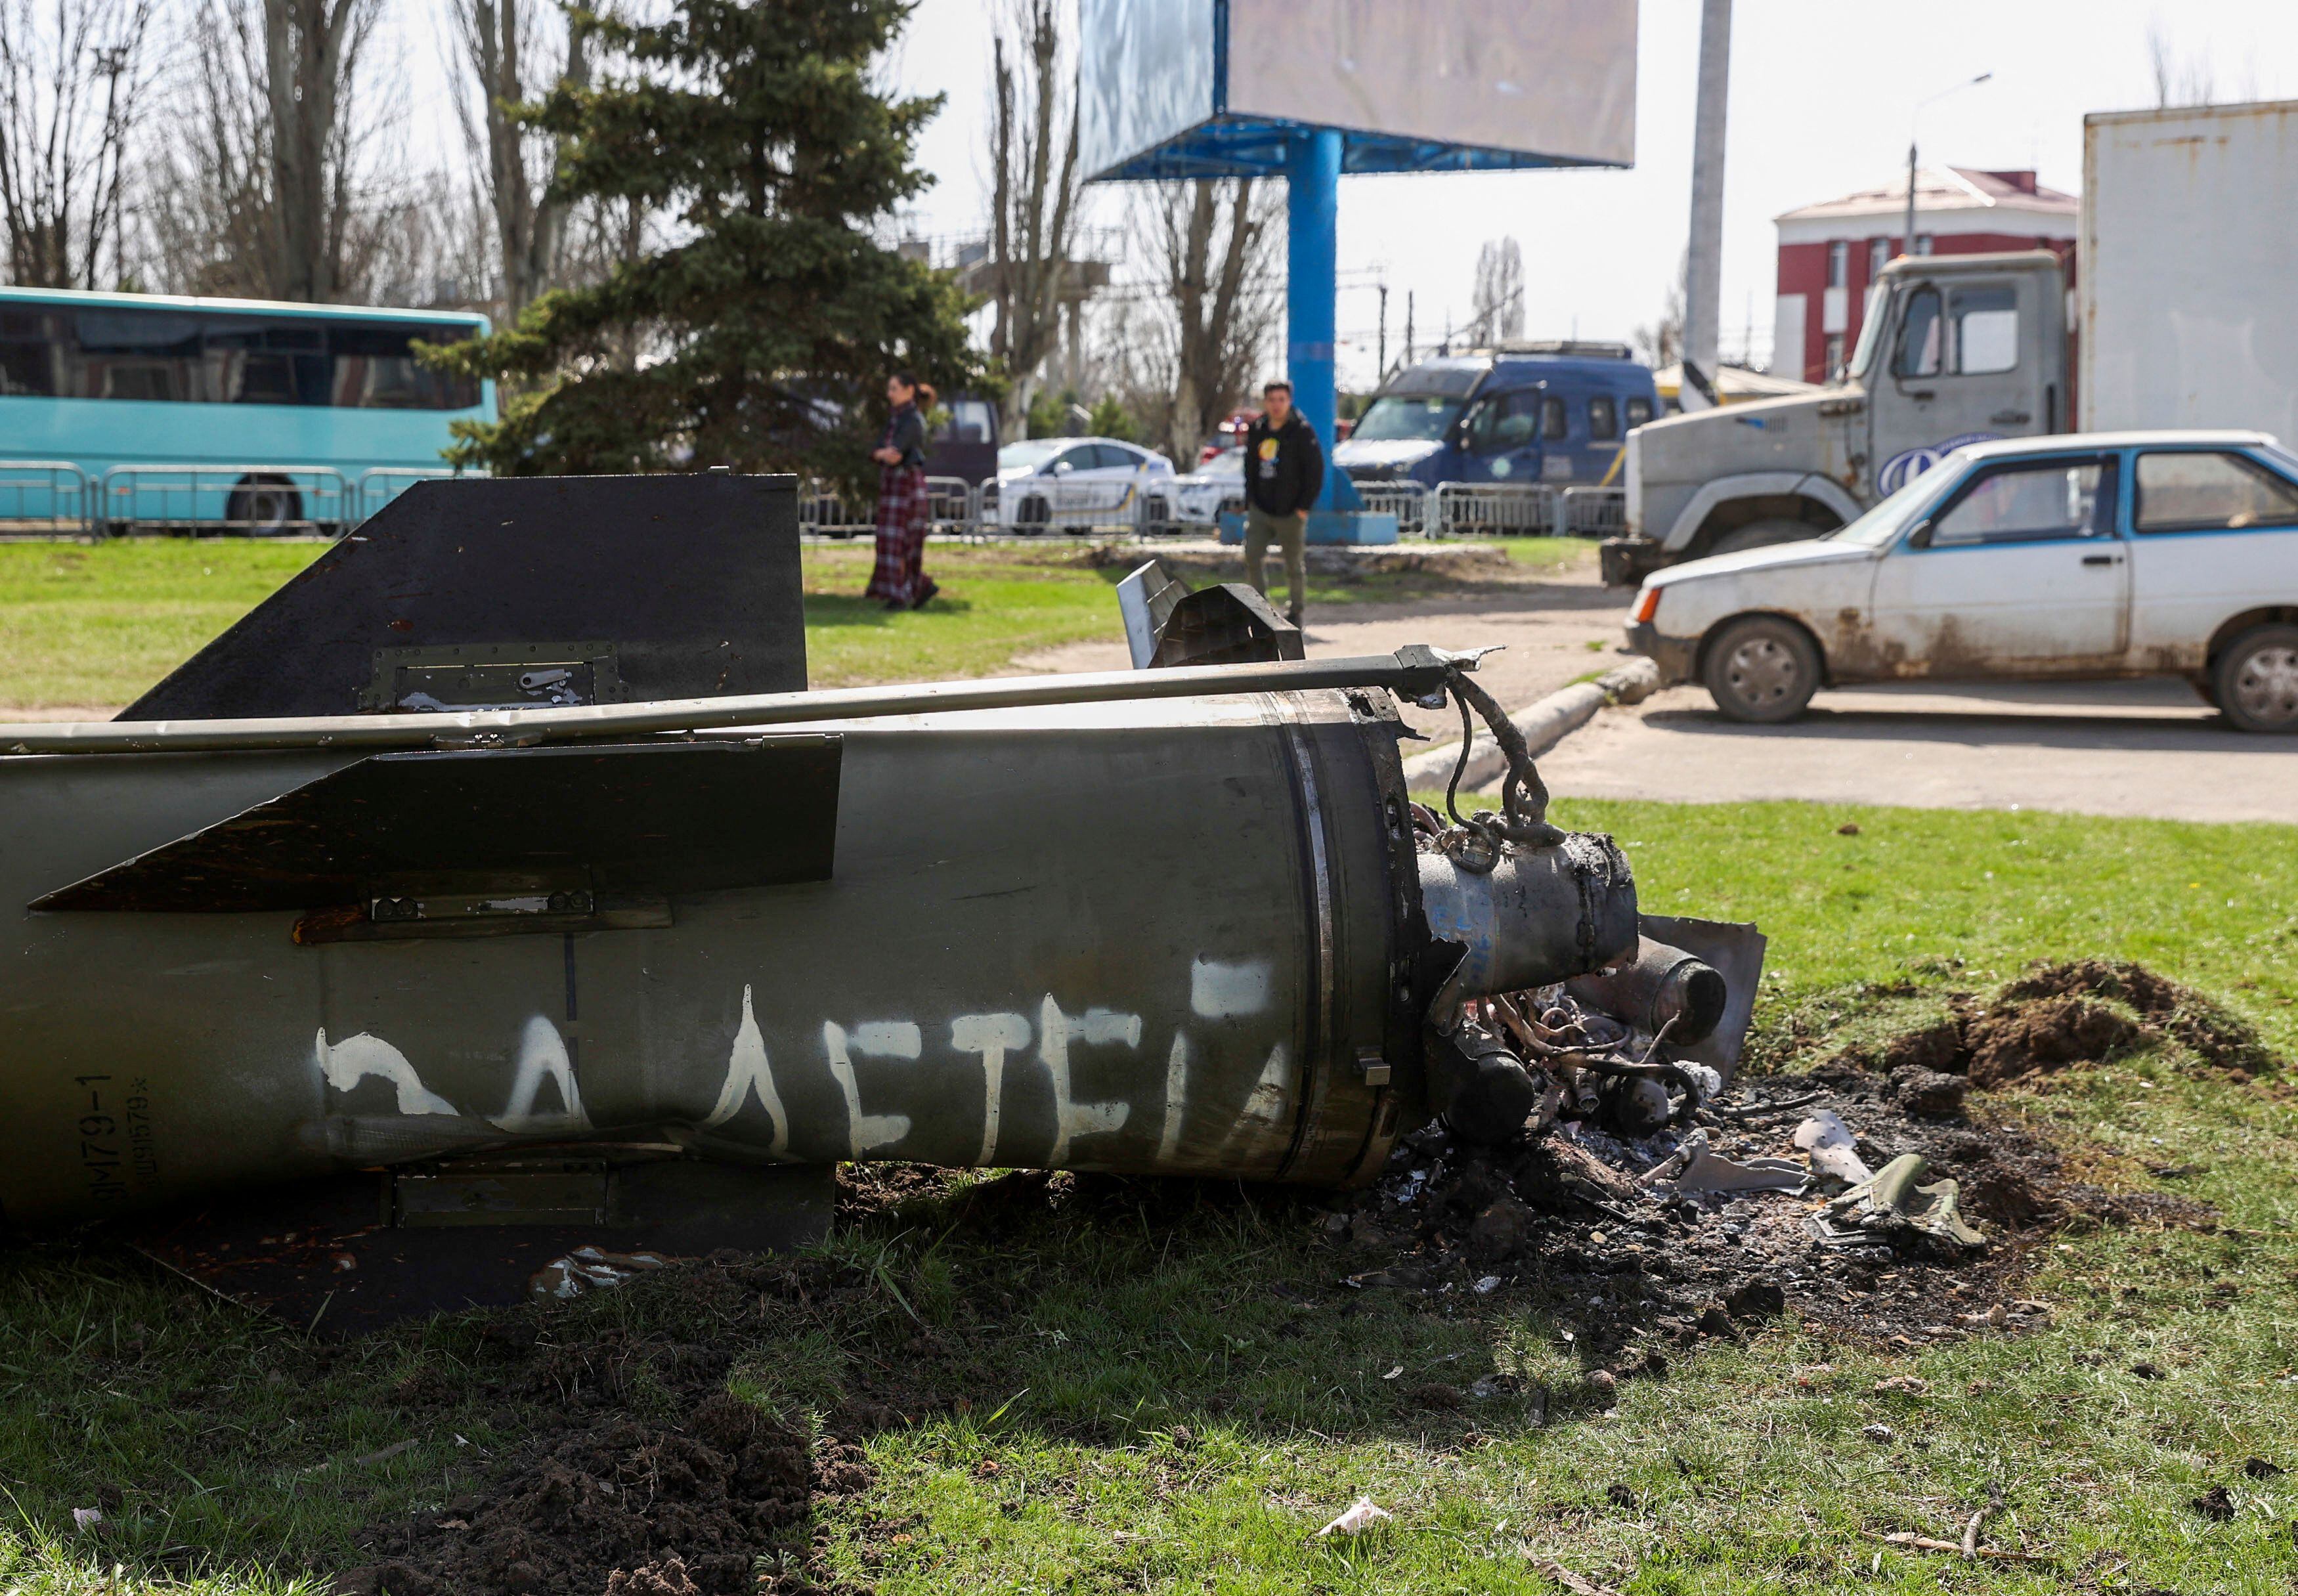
(256, 498)
(42, 498)
(1487, 509)
(1408, 502)
(379, 485)
(54, 497)
(1594, 512)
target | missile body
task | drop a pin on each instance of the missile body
(1178, 937)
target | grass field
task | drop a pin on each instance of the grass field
(1145, 1412)
(95, 625)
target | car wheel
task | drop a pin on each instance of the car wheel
(2257, 680)
(1157, 514)
(1762, 535)
(1762, 670)
(1032, 511)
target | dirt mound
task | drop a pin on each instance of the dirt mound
(2061, 1016)
(2022, 1035)
(657, 1482)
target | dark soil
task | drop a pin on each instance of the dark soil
(648, 1478)
(2082, 1012)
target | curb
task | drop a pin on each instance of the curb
(1544, 724)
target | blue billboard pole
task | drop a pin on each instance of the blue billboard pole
(1313, 207)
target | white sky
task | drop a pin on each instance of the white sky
(1821, 93)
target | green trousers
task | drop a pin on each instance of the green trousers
(1289, 534)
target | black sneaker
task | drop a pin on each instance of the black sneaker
(926, 596)
(1293, 615)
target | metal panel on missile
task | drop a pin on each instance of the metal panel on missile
(528, 592)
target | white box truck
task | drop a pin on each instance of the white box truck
(2184, 314)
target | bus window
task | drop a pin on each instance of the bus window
(1603, 418)
(28, 343)
(1554, 424)
(1639, 410)
(134, 354)
(254, 361)
(376, 370)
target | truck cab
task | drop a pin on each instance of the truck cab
(1552, 414)
(1955, 350)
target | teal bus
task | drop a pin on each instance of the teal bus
(134, 412)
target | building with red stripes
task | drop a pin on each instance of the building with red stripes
(1831, 252)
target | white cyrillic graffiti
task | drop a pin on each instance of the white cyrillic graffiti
(543, 1057)
(350, 1061)
(993, 1037)
(1055, 1032)
(1218, 991)
(749, 1073)
(882, 1039)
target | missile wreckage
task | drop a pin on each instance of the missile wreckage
(497, 889)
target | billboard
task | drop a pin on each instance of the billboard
(1172, 88)
(1553, 78)
(1145, 76)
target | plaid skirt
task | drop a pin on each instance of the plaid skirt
(903, 514)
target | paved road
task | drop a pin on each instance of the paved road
(1555, 631)
(2140, 748)
(2135, 747)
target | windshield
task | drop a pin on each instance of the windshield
(1034, 451)
(1406, 417)
(1871, 334)
(1880, 524)
(1229, 462)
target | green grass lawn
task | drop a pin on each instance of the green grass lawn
(95, 625)
(1142, 1412)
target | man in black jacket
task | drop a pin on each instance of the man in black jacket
(1283, 469)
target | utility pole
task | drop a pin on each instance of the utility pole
(1913, 117)
(1408, 327)
(1703, 288)
(1380, 372)
(112, 61)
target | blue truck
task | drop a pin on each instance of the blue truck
(1553, 414)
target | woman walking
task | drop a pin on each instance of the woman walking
(904, 511)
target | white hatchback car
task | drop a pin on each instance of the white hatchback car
(1076, 484)
(2092, 555)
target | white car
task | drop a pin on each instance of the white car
(1078, 483)
(1214, 487)
(2094, 555)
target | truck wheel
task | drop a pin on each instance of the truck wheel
(1761, 669)
(1762, 535)
(2257, 680)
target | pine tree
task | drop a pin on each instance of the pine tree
(769, 324)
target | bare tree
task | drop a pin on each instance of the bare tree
(1498, 300)
(311, 56)
(2189, 81)
(71, 87)
(1661, 342)
(501, 42)
(268, 185)
(207, 214)
(1033, 199)
(1215, 305)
